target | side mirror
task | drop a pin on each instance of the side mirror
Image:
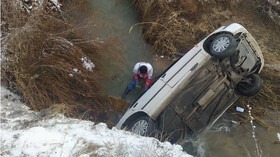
(178, 54)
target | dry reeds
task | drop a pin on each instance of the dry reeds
(166, 27)
(49, 59)
(267, 99)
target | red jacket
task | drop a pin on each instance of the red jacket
(147, 76)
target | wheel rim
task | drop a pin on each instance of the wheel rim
(221, 44)
(140, 127)
(247, 83)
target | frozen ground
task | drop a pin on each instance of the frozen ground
(28, 133)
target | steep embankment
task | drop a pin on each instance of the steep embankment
(51, 55)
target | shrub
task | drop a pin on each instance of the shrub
(50, 58)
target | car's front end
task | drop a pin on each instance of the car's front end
(246, 45)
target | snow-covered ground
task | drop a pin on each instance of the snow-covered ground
(28, 133)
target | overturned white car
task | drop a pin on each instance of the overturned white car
(200, 86)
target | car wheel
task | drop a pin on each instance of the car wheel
(249, 85)
(223, 45)
(143, 126)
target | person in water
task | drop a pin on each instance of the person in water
(141, 70)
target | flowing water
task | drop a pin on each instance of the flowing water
(225, 138)
(120, 16)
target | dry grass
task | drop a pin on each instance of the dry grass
(43, 58)
(178, 25)
(166, 27)
(267, 99)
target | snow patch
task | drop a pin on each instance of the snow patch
(32, 5)
(87, 64)
(58, 5)
(75, 70)
(28, 133)
(258, 151)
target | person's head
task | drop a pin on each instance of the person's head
(143, 69)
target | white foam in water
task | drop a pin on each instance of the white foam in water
(199, 145)
(258, 149)
(220, 128)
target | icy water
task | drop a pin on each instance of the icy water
(119, 16)
(225, 138)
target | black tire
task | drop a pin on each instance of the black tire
(250, 85)
(150, 130)
(218, 50)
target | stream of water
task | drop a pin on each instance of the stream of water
(119, 15)
(225, 138)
